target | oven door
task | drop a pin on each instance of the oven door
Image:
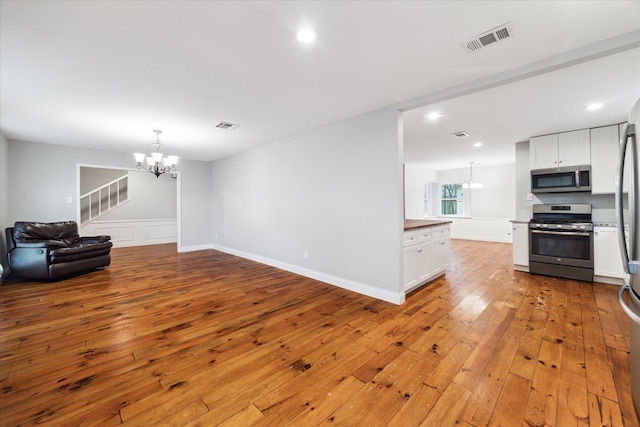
(561, 247)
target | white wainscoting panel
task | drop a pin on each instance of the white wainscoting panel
(485, 229)
(134, 233)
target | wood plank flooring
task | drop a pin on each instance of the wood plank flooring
(205, 338)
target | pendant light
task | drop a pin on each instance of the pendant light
(471, 183)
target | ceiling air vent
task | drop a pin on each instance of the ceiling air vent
(485, 39)
(460, 134)
(227, 126)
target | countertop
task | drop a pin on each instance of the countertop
(413, 224)
(605, 224)
(595, 223)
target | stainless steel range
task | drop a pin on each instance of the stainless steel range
(561, 241)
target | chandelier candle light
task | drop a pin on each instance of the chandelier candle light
(156, 164)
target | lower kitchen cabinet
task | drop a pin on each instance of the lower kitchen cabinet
(440, 249)
(426, 255)
(520, 246)
(607, 259)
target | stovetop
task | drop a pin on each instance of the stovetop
(560, 225)
(566, 217)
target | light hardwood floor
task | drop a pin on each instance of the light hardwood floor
(205, 338)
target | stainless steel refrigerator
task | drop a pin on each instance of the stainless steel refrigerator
(628, 213)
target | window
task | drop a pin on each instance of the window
(451, 199)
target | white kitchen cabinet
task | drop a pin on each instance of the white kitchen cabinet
(425, 267)
(604, 159)
(426, 255)
(562, 149)
(574, 148)
(606, 255)
(440, 248)
(417, 260)
(543, 151)
(520, 246)
(410, 266)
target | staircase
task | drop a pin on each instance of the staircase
(103, 200)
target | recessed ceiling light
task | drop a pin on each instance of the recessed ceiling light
(594, 106)
(477, 144)
(306, 36)
(433, 116)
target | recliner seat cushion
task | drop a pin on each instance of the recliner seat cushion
(60, 257)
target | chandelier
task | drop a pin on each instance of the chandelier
(156, 164)
(471, 183)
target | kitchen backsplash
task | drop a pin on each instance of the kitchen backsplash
(602, 205)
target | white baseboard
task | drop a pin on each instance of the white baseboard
(608, 280)
(194, 248)
(360, 288)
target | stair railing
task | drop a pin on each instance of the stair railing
(104, 199)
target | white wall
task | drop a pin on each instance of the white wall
(415, 178)
(491, 207)
(333, 193)
(44, 175)
(150, 198)
(92, 178)
(195, 209)
(4, 197)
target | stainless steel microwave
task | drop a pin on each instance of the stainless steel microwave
(561, 180)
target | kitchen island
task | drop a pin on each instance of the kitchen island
(427, 245)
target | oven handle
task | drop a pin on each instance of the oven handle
(562, 233)
(630, 266)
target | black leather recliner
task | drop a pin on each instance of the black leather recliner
(38, 250)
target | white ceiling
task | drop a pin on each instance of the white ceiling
(499, 117)
(103, 75)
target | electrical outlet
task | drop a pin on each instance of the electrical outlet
(69, 199)
(529, 197)
(306, 255)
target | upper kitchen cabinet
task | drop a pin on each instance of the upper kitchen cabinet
(543, 151)
(562, 149)
(604, 159)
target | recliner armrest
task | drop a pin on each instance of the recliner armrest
(30, 262)
(91, 239)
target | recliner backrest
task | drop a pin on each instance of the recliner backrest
(27, 230)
